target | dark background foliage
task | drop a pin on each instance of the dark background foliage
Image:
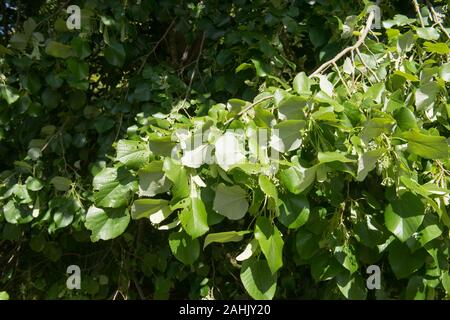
(132, 59)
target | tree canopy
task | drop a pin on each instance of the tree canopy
(261, 149)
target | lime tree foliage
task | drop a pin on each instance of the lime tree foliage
(98, 169)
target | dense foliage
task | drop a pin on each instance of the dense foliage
(98, 170)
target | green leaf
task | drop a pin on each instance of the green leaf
(157, 210)
(407, 76)
(132, 153)
(348, 66)
(268, 187)
(405, 119)
(431, 230)
(79, 70)
(444, 72)
(152, 180)
(194, 219)
(445, 279)
(4, 295)
(229, 150)
(242, 67)
(404, 215)
(306, 243)
(428, 33)
(161, 146)
(325, 267)
(294, 211)
(346, 256)
(64, 210)
(177, 174)
(288, 137)
(297, 179)
(426, 146)
(8, 94)
(263, 118)
(230, 202)
(271, 242)
(425, 96)
(21, 193)
(369, 232)
(257, 279)
(113, 187)
(34, 184)
(352, 286)
(402, 261)
(16, 214)
(291, 108)
(19, 41)
(5, 50)
(59, 50)
(223, 237)
(326, 86)
(302, 84)
(367, 162)
(115, 54)
(61, 183)
(184, 248)
(106, 224)
(62, 219)
(37, 243)
(103, 124)
(325, 157)
(262, 69)
(439, 48)
(406, 41)
(416, 289)
(250, 249)
(50, 98)
(52, 251)
(376, 126)
(81, 47)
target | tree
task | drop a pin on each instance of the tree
(291, 138)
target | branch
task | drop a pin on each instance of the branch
(193, 71)
(156, 45)
(139, 289)
(436, 19)
(324, 66)
(416, 6)
(358, 43)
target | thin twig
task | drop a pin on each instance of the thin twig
(54, 14)
(156, 46)
(19, 4)
(366, 66)
(139, 289)
(120, 126)
(358, 43)
(416, 6)
(193, 71)
(55, 134)
(342, 79)
(248, 108)
(437, 19)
